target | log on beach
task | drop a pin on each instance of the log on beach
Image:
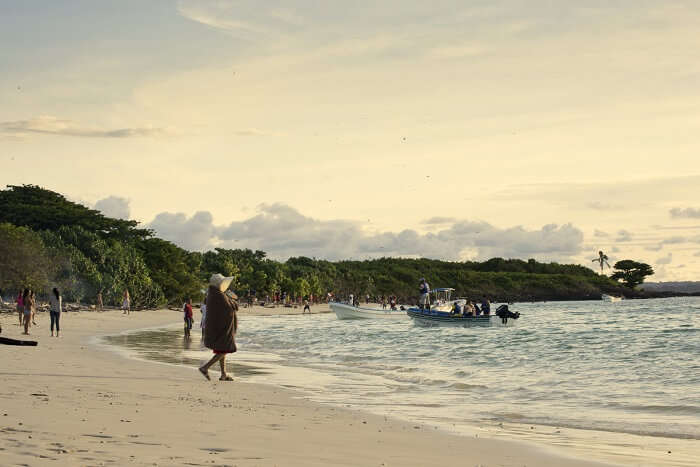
(8, 341)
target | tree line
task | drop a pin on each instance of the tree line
(47, 240)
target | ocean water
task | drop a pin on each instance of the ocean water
(629, 367)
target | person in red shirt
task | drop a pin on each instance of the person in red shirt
(187, 309)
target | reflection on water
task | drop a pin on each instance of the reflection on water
(170, 346)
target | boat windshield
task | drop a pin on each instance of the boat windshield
(442, 296)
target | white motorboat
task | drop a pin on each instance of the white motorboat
(347, 311)
(610, 298)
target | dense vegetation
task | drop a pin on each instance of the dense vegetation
(46, 241)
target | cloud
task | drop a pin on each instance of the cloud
(49, 125)
(600, 234)
(687, 213)
(252, 132)
(674, 240)
(282, 231)
(665, 259)
(602, 206)
(658, 247)
(439, 220)
(624, 236)
(194, 233)
(114, 206)
(697, 254)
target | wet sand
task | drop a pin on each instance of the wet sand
(70, 401)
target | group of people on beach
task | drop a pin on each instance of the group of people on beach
(27, 307)
(390, 301)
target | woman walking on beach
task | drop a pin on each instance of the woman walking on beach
(28, 302)
(56, 306)
(221, 324)
(33, 297)
(20, 307)
(126, 303)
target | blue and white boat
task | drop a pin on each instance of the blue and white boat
(440, 313)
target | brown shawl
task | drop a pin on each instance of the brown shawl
(221, 321)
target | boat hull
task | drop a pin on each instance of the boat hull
(611, 298)
(440, 319)
(345, 311)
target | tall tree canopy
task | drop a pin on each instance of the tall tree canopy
(41, 209)
(47, 240)
(631, 273)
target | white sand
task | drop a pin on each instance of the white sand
(70, 402)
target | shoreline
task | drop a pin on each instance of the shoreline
(67, 401)
(603, 445)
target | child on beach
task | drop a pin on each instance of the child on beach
(126, 303)
(187, 309)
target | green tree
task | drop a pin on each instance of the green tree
(175, 270)
(301, 287)
(24, 260)
(631, 273)
(41, 209)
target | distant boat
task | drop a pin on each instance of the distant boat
(347, 311)
(610, 298)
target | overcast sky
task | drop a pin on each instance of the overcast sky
(453, 129)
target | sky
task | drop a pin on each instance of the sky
(451, 129)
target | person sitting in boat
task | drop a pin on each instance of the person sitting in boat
(424, 300)
(485, 306)
(469, 309)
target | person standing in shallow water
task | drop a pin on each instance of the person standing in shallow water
(56, 304)
(221, 324)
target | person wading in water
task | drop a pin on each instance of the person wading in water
(221, 325)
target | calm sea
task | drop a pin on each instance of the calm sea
(628, 367)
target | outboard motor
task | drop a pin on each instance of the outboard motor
(504, 313)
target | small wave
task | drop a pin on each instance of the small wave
(661, 409)
(680, 330)
(592, 426)
(468, 387)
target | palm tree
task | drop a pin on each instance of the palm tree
(602, 259)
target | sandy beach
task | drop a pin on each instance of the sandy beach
(69, 401)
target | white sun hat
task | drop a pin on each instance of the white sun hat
(220, 282)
